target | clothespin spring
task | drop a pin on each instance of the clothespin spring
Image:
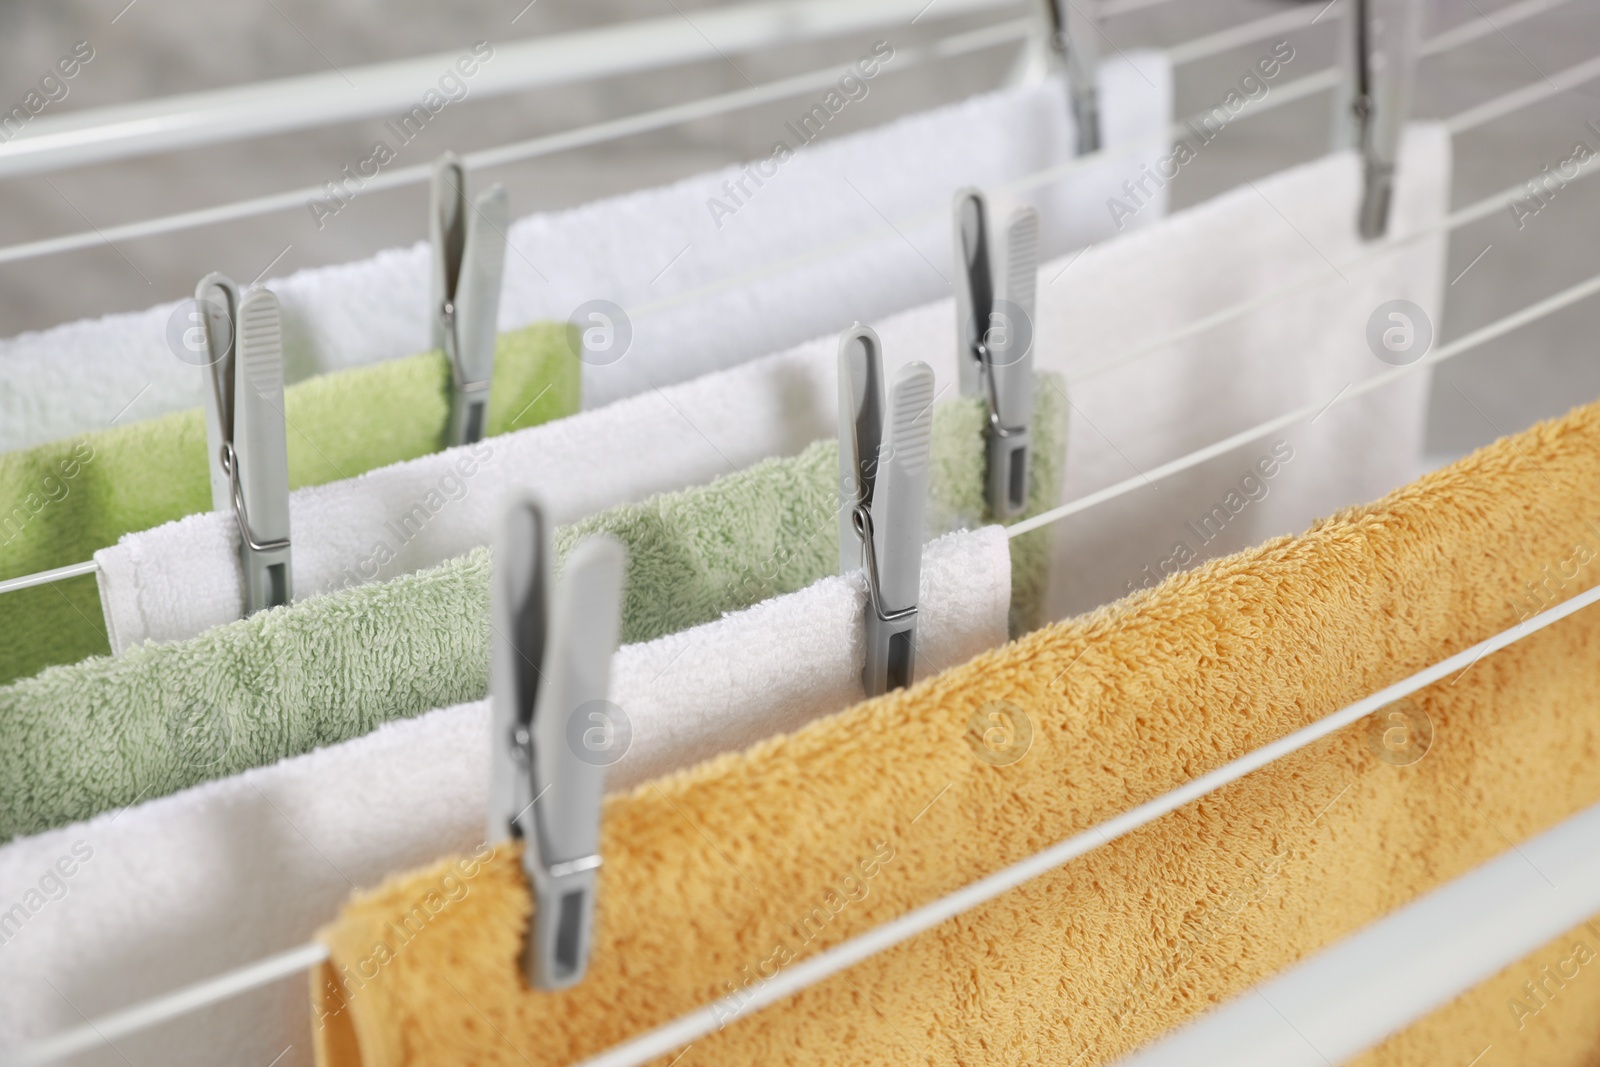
(861, 520)
(244, 412)
(554, 954)
(1007, 448)
(230, 466)
(470, 399)
(891, 634)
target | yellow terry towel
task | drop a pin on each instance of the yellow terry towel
(1540, 1010)
(719, 876)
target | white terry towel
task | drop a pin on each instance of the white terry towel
(1297, 352)
(180, 889)
(177, 580)
(651, 248)
(184, 577)
(1308, 349)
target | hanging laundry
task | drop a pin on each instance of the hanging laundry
(115, 729)
(1438, 979)
(1121, 298)
(178, 580)
(717, 878)
(238, 869)
(784, 514)
(71, 497)
(659, 246)
(175, 581)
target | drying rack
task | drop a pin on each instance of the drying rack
(299, 103)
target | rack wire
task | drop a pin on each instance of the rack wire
(1478, 210)
(667, 1038)
(1008, 32)
(663, 1040)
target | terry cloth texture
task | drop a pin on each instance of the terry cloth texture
(1547, 1026)
(696, 554)
(719, 876)
(179, 580)
(102, 733)
(75, 378)
(1447, 959)
(176, 890)
(69, 498)
(176, 581)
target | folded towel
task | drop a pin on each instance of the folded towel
(176, 890)
(71, 497)
(654, 246)
(102, 733)
(717, 877)
(175, 581)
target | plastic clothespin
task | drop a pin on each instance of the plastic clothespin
(469, 256)
(245, 431)
(1074, 38)
(550, 675)
(1381, 52)
(883, 491)
(994, 328)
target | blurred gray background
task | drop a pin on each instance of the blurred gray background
(158, 47)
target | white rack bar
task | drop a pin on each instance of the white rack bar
(651, 1044)
(1465, 216)
(100, 135)
(1286, 94)
(1349, 997)
(1486, 25)
(614, 129)
(1474, 212)
(59, 574)
(1110, 9)
(1466, 343)
(1502, 106)
(1238, 36)
(108, 1028)
(599, 133)
(687, 1028)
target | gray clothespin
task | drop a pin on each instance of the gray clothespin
(550, 674)
(1380, 52)
(883, 490)
(996, 284)
(1074, 38)
(469, 255)
(249, 458)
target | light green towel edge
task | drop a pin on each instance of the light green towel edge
(780, 531)
(73, 497)
(78, 740)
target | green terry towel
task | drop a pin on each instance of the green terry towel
(773, 529)
(107, 732)
(69, 498)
